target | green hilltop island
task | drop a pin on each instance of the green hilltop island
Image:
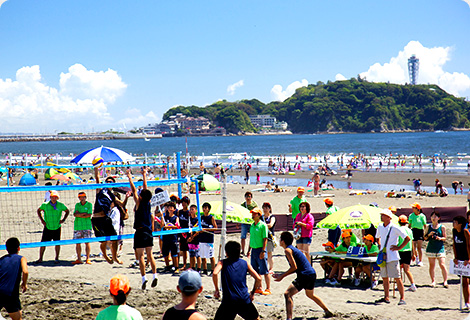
(353, 106)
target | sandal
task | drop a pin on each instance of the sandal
(382, 300)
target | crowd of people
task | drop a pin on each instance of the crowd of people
(402, 243)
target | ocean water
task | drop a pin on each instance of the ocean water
(452, 144)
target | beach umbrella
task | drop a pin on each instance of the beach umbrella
(108, 155)
(60, 177)
(49, 173)
(27, 180)
(234, 212)
(72, 176)
(354, 217)
(210, 183)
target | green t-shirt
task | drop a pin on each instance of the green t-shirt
(373, 249)
(331, 210)
(122, 312)
(53, 216)
(83, 223)
(251, 206)
(417, 221)
(258, 233)
(295, 206)
(409, 233)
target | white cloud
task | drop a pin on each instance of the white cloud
(467, 2)
(431, 63)
(231, 88)
(2, 2)
(135, 118)
(280, 95)
(340, 77)
(80, 103)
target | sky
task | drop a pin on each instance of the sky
(86, 66)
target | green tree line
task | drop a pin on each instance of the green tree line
(345, 106)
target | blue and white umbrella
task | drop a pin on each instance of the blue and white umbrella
(108, 155)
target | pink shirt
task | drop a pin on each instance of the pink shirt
(308, 219)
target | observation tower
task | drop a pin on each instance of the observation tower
(413, 68)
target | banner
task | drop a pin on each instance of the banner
(159, 199)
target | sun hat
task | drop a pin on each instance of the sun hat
(387, 212)
(416, 205)
(328, 201)
(190, 281)
(392, 208)
(329, 244)
(345, 234)
(119, 282)
(403, 218)
(54, 194)
(301, 189)
(369, 237)
(257, 210)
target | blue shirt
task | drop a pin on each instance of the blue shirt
(170, 237)
(206, 237)
(143, 217)
(10, 273)
(234, 281)
(304, 268)
(184, 218)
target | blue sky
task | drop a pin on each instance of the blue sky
(85, 65)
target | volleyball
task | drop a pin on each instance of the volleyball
(97, 162)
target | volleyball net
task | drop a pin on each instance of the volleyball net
(19, 209)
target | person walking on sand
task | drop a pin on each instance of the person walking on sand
(82, 228)
(119, 289)
(143, 225)
(13, 267)
(435, 233)
(461, 248)
(190, 287)
(258, 243)
(305, 222)
(52, 223)
(417, 222)
(236, 299)
(296, 201)
(387, 237)
(306, 276)
(270, 221)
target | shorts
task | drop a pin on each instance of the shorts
(193, 250)
(405, 257)
(418, 234)
(184, 242)
(103, 227)
(245, 230)
(228, 310)
(391, 270)
(50, 235)
(10, 303)
(304, 240)
(82, 234)
(143, 239)
(170, 247)
(435, 255)
(305, 282)
(260, 265)
(270, 246)
(206, 250)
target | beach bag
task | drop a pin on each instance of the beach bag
(382, 256)
(297, 233)
(382, 259)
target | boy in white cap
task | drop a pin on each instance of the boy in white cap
(190, 286)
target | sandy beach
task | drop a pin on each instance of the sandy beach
(79, 292)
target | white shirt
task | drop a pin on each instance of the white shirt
(115, 216)
(395, 233)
